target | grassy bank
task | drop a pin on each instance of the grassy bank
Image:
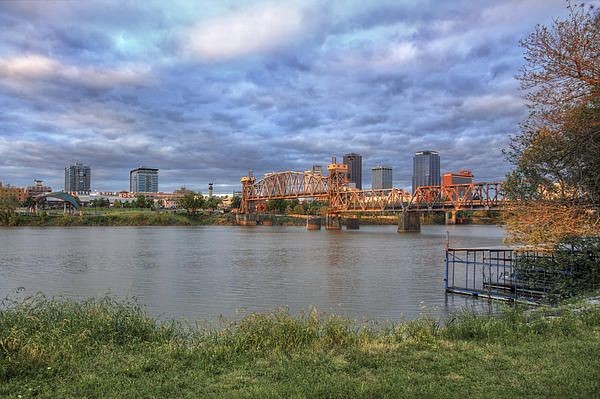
(122, 218)
(102, 348)
(138, 217)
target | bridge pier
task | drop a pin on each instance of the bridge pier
(333, 222)
(352, 223)
(450, 217)
(409, 222)
(246, 219)
(313, 222)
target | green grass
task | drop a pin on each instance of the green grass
(104, 348)
(125, 217)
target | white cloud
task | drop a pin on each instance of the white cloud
(26, 71)
(394, 58)
(254, 30)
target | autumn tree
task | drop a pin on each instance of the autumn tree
(555, 186)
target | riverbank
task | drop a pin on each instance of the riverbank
(103, 348)
(126, 217)
(123, 218)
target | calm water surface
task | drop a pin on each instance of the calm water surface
(202, 273)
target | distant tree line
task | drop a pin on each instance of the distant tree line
(192, 202)
(294, 206)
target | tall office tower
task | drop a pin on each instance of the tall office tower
(426, 169)
(317, 169)
(77, 178)
(382, 177)
(354, 162)
(143, 180)
(210, 190)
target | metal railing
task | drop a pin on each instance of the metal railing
(502, 274)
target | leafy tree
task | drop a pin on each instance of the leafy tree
(277, 205)
(28, 202)
(212, 203)
(236, 202)
(556, 182)
(118, 204)
(298, 209)
(316, 207)
(100, 203)
(7, 210)
(142, 202)
(191, 202)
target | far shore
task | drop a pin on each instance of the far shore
(139, 217)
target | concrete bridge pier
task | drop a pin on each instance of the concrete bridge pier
(313, 222)
(333, 222)
(352, 223)
(409, 222)
(246, 219)
(450, 217)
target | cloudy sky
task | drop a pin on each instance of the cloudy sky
(206, 90)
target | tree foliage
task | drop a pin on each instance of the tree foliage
(100, 203)
(555, 186)
(236, 202)
(277, 205)
(142, 202)
(212, 203)
(562, 65)
(191, 202)
(7, 210)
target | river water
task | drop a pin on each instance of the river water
(203, 273)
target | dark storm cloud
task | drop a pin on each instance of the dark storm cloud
(199, 92)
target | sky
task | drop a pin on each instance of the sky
(207, 90)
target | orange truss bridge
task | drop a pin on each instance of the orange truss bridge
(342, 199)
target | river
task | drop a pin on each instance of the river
(203, 273)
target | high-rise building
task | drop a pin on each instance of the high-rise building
(143, 180)
(426, 169)
(317, 169)
(354, 162)
(78, 178)
(381, 178)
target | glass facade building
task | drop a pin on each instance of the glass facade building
(143, 180)
(354, 162)
(426, 169)
(78, 178)
(381, 178)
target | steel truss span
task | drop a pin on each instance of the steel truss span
(341, 198)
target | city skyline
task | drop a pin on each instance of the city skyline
(348, 159)
(180, 89)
